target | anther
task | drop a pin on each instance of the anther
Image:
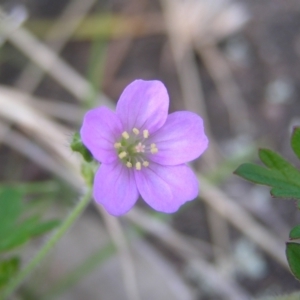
(145, 163)
(145, 133)
(125, 135)
(153, 149)
(135, 131)
(117, 145)
(122, 154)
(138, 166)
(129, 164)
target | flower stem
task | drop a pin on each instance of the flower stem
(40, 255)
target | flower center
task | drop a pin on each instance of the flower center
(133, 148)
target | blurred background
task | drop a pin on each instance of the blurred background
(234, 62)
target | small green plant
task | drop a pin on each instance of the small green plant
(18, 226)
(284, 180)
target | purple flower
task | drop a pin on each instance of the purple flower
(143, 150)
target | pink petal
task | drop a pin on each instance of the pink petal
(166, 188)
(115, 188)
(144, 105)
(100, 130)
(180, 140)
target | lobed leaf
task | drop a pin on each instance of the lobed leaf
(261, 175)
(10, 207)
(274, 161)
(295, 233)
(17, 235)
(44, 227)
(15, 239)
(290, 192)
(16, 230)
(24, 231)
(293, 257)
(295, 141)
(282, 176)
(8, 268)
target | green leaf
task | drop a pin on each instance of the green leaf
(295, 233)
(16, 230)
(44, 227)
(289, 193)
(295, 141)
(282, 176)
(18, 234)
(293, 257)
(24, 231)
(274, 161)
(10, 207)
(15, 239)
(261, 175)
(8, 268)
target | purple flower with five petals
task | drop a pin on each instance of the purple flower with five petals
(143, 150)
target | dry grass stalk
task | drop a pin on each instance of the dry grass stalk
(227, 287)
(66, 24)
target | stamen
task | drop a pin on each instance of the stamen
(131, 151)
(122, 154)
(125, 135)
(145, 163)
(135, 131)
(153, 149)
(117, 145)
(138, 166)
(145, 133)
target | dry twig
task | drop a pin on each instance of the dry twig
(65, 25)
(47, 60)
(240, 218)
(189, 253)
